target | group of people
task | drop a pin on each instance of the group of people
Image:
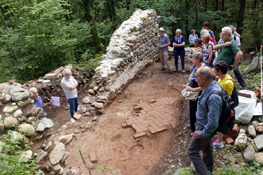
(209, 60)
(69, 86)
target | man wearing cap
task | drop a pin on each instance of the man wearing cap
(238, 75)
(164, 42)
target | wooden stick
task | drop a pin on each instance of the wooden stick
(84, 162)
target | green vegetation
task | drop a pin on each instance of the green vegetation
(11, 157)
(38, 36)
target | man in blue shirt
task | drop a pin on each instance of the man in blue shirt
(164, 42)
(38, 100)
(207, 117)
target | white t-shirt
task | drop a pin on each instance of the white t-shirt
(66, 85)
(237, 40)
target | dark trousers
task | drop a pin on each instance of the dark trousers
(206, 146)
(239, 78)
(192, 108)
(176, 54)
(73, 105)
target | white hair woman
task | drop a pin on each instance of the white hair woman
(69, 86)
(178, 43)
(198, 61)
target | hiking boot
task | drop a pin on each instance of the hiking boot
(162, 68)
(183, 71)
(175, 70)
(218, 145)
(168, 71)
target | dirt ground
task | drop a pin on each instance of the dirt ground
(115, 146)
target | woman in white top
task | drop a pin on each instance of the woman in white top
(69, 86)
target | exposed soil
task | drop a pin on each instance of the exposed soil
(115, 146)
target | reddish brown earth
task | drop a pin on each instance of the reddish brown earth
(116, 146)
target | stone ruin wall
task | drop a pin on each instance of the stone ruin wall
(131, 48)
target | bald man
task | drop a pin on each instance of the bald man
(207, 116)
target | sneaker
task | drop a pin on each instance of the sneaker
(215, 141)
(218, 145)
(192, 134)
(163, 68)
(183, 71)
(175, 70)
(189, 126)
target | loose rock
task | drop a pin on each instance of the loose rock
(44, 123)
(40, 156)
(83, 108)
(66, 138)
(57, 153)
(27, 129)
(259, 158)
(251, 131)
(10, 122)
(77, 116)
(259, 141)
(249, 152)
(9, 109)
(17, 113)
(86, 100)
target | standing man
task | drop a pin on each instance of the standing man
(206, 26)
(69, 86)
(238, 75)
(38, 100)
(230, 53)
(164, 42)
(207, 116)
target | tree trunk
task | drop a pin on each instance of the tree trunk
(205, 5)
(186, 18)
(110, 13)
(96, 38)
(241, 16)
(216, 5)
(223, 5)
(196, 15)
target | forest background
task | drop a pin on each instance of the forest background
(37, 36)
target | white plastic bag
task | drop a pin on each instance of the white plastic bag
(246, 107)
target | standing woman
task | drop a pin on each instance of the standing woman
(192, 38)
(178, 43)
(198, 61)
(69, 86)
(207, 49)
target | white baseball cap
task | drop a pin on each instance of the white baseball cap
(161, 29)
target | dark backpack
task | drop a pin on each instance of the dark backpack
(227, 119)
(234, 96)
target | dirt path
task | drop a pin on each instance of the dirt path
(115, 146)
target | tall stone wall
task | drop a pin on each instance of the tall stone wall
(131, 48)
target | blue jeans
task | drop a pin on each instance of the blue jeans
(73, 105)
(176, 53)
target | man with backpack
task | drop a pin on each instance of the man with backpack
(209, 109)
(230, 53)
